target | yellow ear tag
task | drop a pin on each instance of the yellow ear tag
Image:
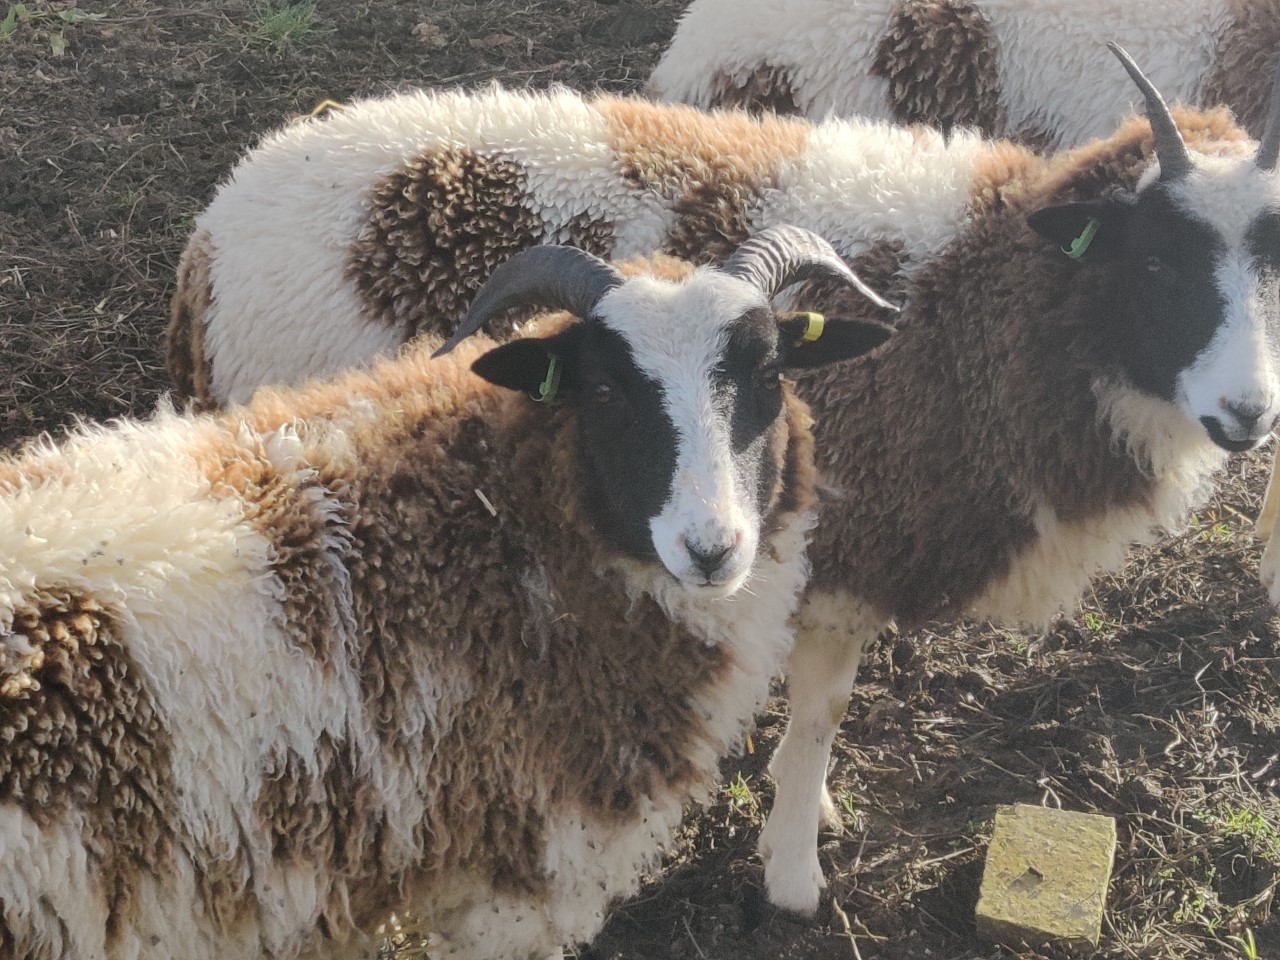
(817, 322)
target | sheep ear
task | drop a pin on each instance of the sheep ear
(1090, 230)
(811, 340)
(545, 368)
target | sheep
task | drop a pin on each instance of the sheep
(1035, 71)
(408, 639)
(1032, 71)
(1085, 336)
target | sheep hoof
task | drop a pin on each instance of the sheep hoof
(792, 874)
(794, 882)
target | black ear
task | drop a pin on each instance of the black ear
(526, 365)
(1091, 230)
(804, 341)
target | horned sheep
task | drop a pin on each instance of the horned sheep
(1035, 71)
(407, 639)
(1085, 337)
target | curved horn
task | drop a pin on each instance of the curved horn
(554, 276)
(1171, 151)
(1269, 149)
(783, 255)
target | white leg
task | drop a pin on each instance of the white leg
(1270, 511)
(831, 633)
(1269, 571)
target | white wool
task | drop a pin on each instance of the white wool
(1056, 74)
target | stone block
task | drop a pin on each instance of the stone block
(1046, 877)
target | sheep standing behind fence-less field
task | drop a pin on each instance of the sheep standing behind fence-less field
(407, 640)
(1085, 334)
(1033, 70)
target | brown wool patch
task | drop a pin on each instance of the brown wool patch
(585, 233)
(189, 366)
(939, 57)
(1002, 172)
(1245, 62)
(81, 737)
(798, 480)
(767, 89)
(711, 167)
(327, 816)
(435, 231)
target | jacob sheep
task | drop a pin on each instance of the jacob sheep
(407, 640)
(1034, 70)
(1054, 392)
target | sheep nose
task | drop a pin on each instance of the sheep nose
(708, 559)
(1246, 412)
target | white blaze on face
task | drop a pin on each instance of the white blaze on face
(1235, 380)
(708, 530)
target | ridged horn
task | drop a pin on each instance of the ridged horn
(564, 278)
(1269, 149)
(1171, 150)
(783, 255)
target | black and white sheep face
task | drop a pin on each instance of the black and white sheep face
(710, 349)
(679, 396)
(1200, 325)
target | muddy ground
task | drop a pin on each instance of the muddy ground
(1156, 704)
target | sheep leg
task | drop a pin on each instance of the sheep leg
(1270, 511)
(820, 677)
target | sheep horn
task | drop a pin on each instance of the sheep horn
(1269, 149)
(565, 278)
(783, 255)
(1171, 151)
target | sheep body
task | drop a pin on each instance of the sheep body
(267, 676)
(393, 211)
(1035, 71)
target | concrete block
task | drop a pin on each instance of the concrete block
(1046, 877)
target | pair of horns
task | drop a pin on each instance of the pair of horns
(570, 279)
(1171, 150)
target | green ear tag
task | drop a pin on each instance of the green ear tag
(1081, 243)
(548, 387)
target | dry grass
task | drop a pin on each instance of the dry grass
(1158, 705)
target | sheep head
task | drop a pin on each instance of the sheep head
(677, 388)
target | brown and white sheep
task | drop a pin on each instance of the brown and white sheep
(406, 640)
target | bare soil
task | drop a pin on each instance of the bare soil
(1156, 704)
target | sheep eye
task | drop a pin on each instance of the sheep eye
(1158, 268)
(603, 393)
(770, 377)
